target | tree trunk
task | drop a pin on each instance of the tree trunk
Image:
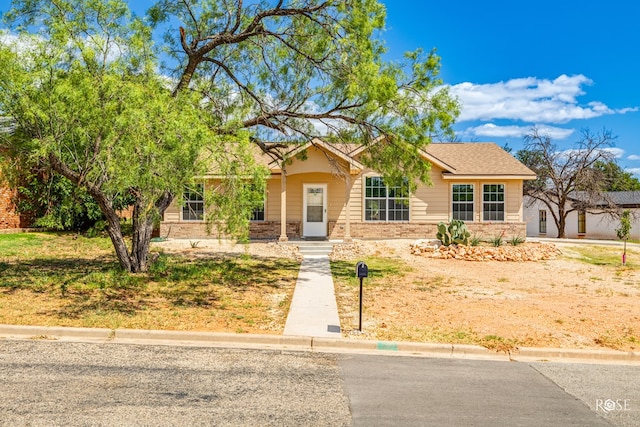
(561, 222)
(561, 226)
(117, 239)
(142, 230)
(106, 207)
(140, 240)
(136, 261)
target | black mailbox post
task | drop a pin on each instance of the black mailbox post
(362, 271)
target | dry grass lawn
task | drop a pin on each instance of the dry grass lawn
(68, 280)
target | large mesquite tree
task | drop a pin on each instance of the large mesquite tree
(90, 100)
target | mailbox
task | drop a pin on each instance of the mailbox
(362, 270)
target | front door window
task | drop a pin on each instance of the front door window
(315, 205)
(315, 210)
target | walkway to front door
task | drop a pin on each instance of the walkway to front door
(314, 311)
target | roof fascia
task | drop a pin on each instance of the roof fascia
(454, 177)
(363, 147)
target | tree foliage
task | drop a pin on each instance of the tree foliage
(89, 102)
(624, 231)
(93, 110)
(614, 178)
(567, 180)
(294, 70)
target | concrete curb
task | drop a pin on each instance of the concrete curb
(55, 332)
(559, 354)
(303, 343)
(212, 338)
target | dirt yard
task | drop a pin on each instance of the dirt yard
(562, 302)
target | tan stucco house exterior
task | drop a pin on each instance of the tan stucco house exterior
(329, 193)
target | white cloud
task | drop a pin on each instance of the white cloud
(21, 43)
(617, 153)
(531, 100)
(635, 171)
(633, 157)
(495, 131)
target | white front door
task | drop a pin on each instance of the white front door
(314, 223)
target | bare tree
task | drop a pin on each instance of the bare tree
(567, 179)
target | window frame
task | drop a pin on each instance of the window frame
(386, 197)
(260, 210)
(542, 221)
(471, 203)
(582, 222)
(495, 203)
(188, 201)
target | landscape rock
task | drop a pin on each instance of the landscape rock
(521, 253)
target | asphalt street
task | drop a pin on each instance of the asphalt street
(49, 383)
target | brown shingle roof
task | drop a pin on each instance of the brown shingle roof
(456, 158)
(476, 158)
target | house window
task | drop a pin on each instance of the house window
(582, 222)
(383, 203)
(542, 222)
(193, 209)
(462, 202)
(493, 202)
(258, 213)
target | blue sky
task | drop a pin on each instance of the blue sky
(558, 65)
(561, 65)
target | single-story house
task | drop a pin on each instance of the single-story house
(329, 193)
(584, 224)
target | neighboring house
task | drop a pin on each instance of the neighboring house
(9, 218)
(580, 224)
(329, 193)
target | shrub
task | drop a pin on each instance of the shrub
(496, 241)
(98, 229)
(516, 240)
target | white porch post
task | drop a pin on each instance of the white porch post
(283, 207)
(347, 213)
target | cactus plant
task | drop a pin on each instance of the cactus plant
(455, 233)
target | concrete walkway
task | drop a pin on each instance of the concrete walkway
(314, 311)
